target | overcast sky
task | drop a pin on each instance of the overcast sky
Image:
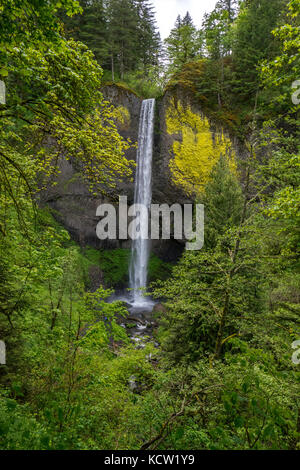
(168, 10)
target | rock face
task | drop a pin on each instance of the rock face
(124, 99)
(163, 188)
(75, 207)
(70, 200)
(72, 205)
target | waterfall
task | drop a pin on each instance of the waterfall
(140, 250)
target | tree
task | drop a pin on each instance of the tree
(187, 20)
(231, 6)
(54, 91)
(280, 73)
(280, 168)
(217, 26)
(223, 200)
(121, 33)
(217, 29)
(149, 37)
(91, 28)
(184, 43)
(210, 290)
(253, 41)
(54, 108)
(29, 21)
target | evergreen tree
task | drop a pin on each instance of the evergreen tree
(223, 202)
(253, 40)
(149, 37)
(187, 20)
(231, 6)
(123, 36)
(217, 26)
(184, 43)
(210, 290)
(91, 28)
(281, 164)
(121, 33)
(217, 31)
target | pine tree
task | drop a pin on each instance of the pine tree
(216, 26)
(210, 290)
(149, 37)
(187, 20)
(91, 28)
(184, 43)
(231, 6)
(133, 35)
(123, 37)
(253, 40)
(223, 202)
(122, 34)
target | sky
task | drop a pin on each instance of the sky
(168, 10)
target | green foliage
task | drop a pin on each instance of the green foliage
(280, 73)
(62, 339)
(198, 149)
(90, 27)
(223, 201)
(158, 269)
(250, 48)
(121, 33)
(210, 289)
(19, 429)
(115, 264)
(280, 168)
(226, 82)
(148, 85)
(30, 21)
(184, 44)
(217, 29)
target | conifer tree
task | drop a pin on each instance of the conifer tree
(122, 34)
(91, 28)
(253, 41)
(184, 43)
(149, 37)
(123, 37)
(216, 26)
(211, 289)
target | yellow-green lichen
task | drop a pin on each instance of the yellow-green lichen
(196, 149)
(122, 117)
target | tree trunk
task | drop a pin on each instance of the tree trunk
(221, 328)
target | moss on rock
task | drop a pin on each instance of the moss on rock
(196, 148)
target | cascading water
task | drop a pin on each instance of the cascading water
(138, 269)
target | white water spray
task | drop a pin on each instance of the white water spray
(140, 250)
